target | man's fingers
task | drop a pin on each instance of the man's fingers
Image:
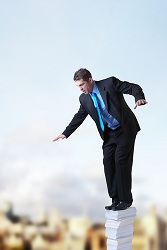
(135, 106)
(143, 102)
(59, 137)
(55, 139)
(140, 102)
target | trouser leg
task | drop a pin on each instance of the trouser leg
(123, 166)
(109, 169)
(117, 160)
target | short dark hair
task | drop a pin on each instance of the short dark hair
(82, 74)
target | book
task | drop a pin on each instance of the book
(121, 214)
(123, 246)
(120, 241)
(120, 223)
(115, 233)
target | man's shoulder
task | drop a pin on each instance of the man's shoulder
(83, 97)
(107, 82)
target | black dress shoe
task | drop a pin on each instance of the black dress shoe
(114, 204)
(121, 206)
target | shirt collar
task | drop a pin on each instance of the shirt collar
(95, 89)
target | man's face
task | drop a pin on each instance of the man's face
(85, 86)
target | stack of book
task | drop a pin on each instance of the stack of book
(119, 228)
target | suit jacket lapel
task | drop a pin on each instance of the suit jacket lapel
(91, 107)
(103, 93)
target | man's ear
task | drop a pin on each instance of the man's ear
(90, 80)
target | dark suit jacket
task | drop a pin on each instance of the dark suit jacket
(111, 90)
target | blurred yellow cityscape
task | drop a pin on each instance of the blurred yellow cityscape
(51, 232)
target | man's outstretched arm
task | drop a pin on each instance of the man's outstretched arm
(77, 120)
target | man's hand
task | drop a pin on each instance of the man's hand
(140, 102)
(59, 137)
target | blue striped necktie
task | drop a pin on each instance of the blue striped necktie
(94, 97)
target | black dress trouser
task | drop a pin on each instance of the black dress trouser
(117, 159)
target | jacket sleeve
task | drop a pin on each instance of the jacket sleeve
(128, 88)
(77, 120)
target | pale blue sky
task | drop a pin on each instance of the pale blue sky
(42, 43)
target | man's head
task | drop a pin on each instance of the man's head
(83, 80)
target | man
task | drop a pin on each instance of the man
(117, 125)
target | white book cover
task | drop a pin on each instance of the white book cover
(117, 215)
(120, 241)
(116, 234)
(120, 223)
(125, 246)
(110, 247)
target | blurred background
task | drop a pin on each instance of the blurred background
(50, 190)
